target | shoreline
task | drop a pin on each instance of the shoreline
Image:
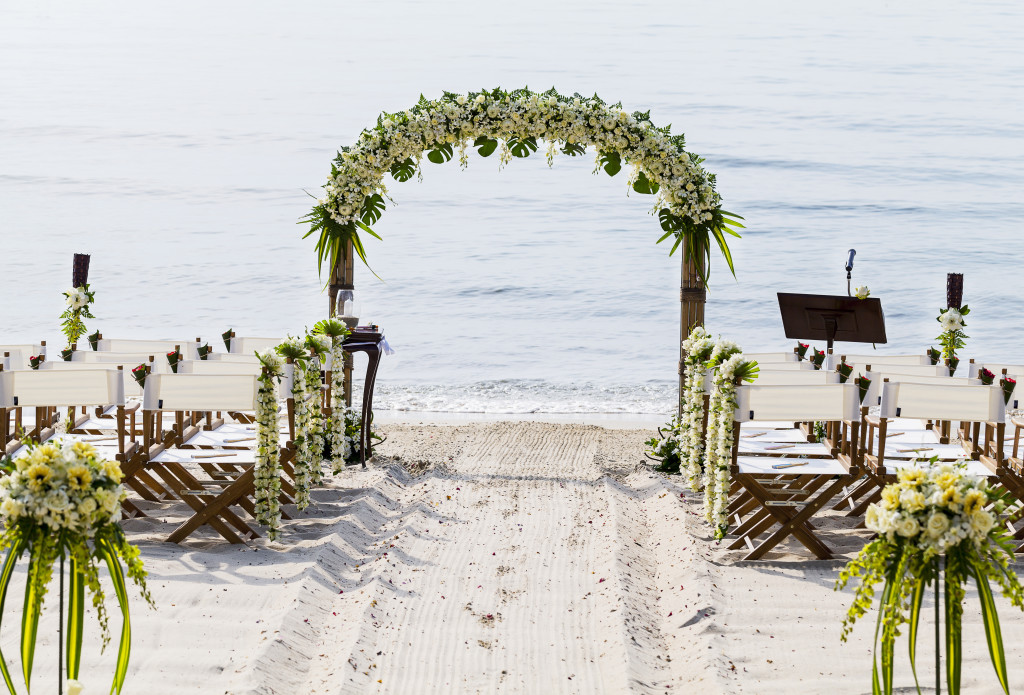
(615, 421)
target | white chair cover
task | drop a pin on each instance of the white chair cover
(40, 388)
(188, 347)
(797, 403)
(250, 346)
(200, 392)
(940, 402)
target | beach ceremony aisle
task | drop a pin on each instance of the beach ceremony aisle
(499, 558)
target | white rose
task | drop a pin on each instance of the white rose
(861, 292)
(982, 522)
(461, 100)
(938, 524)
(908, 527)
(879, 520)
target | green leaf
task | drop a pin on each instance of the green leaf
(720, 239)
(372, 209)
(403, 171)
(442, 154)
(485, 145)
(669, 222)
(915, 614)
(124, 648)
(993, 633)
(5, 579)
(522, 147)
(76, 620)
(954, 630)
(611, 161)
(573, 149)
(30, 619)
(645, 185)
(368, 230)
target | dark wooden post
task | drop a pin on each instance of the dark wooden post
(342, 278)
(692, 298)
(954, 290)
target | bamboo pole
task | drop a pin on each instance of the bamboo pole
(342, 278)
(692, 298)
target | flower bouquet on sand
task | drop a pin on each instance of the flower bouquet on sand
(63, 501)
(935, 521)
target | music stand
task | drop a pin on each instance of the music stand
(832, 317)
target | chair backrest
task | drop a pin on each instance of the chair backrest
(1012, 370)
(249, 346)
(874, 394)
(14, 358)
(790, 366)
(160, 364)
(131, 386)
(774, 377)
(232, 357)
(825, 402)
(40, 388)
(942, 402)
(200, 392)
(188, 347)
(903, 370)
(219, 367)
(24, 348)
(881, 358)
(766, 357)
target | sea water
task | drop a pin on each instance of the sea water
(177, 144)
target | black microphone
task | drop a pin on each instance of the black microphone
(849, 261)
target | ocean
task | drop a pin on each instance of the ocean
(177, 143)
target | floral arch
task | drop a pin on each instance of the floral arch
(517, 124)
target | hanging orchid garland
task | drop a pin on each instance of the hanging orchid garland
(294, 350)
(731, 368)
(268, 458)
(698, 348)
(337, 331)
(318, 346)
(512, 124)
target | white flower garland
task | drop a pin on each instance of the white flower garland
(691, 441)
(304, 462)
(316, 422)
(720, 436)
(341, 447)
(268, 459)
(512, 123)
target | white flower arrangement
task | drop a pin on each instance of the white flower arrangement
(934, 520)
(268, 450)
(935, 507)
(77, 300)
(698, 347)
(721, 436)
(341, 443)
(62, 499)
(512, 123)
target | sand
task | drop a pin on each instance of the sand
(508, 557)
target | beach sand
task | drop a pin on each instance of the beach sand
(506, 557)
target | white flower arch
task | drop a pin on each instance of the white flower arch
(514, 124)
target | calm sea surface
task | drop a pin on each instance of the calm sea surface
(174, 143)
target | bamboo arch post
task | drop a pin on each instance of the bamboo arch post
(692, 298)
(342, 277)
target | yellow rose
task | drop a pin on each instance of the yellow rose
(891, 497)
(912, 500)
(910, 477)
(113, 470)
(84, 449)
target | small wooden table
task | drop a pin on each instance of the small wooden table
(373, 345)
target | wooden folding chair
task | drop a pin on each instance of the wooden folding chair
(50, 390)
(225, 480)
(780, 495)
